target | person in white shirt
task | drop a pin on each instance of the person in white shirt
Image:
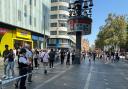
(23, 67)
(44, 58)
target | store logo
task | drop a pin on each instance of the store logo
(24, 33)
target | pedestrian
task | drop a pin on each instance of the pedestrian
(23, 67)
(73, 56)
(5, 56)
(36, 57)
(89, 56)
(62, 56)
(68, 58)
(94, 56)
(10, 65)
(51, 58)
(29, 56)
(45, 60)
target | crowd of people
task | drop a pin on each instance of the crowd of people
(27, 59)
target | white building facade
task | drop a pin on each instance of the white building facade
(58, 23)
(26, 20)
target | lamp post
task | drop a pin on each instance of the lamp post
(79, 22)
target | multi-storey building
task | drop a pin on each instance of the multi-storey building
(24, 21)
(58, 31)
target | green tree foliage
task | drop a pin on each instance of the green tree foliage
(113, 33)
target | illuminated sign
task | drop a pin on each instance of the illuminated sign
(23, 34)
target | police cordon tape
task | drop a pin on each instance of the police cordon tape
(2, 82)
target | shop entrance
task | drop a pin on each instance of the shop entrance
(19, 43)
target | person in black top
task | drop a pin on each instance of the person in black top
(62, 56)
(68, 58)
(10, 66)
(51, 58)
(5, 56)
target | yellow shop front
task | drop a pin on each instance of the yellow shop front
(15, 38)
(22, 37)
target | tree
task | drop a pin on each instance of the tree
(113, 33)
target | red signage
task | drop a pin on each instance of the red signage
(3, 31)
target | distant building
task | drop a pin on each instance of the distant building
(85, 45)
(58, 23)
(23, 21)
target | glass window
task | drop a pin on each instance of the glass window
(30, 2)
(63, 8)
(63, 41)
(35, 2)
(53, 8)
(53, 16)
(35, 22)
(25, 11)
(62, 24)
(52, 41)
(62, 32)
(64, 0)
(30, 20)
(53, 32)
(54, 0)
(63, 16)
(53, 24)
(19, 15)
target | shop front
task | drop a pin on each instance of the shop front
(15, 38)
(22, 37)
(37, 41)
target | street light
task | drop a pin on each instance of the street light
(79, 22)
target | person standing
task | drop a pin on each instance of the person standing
(62, 56)
(45, 57)
(5, 56)
(51, 58)
(23, 67)
(68, 58)
(29, 56)
(94, 56)
(10, 65)
(73, 56)
(36, 57)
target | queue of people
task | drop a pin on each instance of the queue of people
(27, 59)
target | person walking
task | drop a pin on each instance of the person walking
(94, 56)
(10, 65)
(23, 67)
(5, 56)
(29, 56)
(51, 58)
(62, 56)
(36, 57)
(44, 60)
(68, 58)
(73, 56)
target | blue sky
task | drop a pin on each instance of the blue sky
(101, 9)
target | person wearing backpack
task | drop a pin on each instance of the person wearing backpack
(51, 58)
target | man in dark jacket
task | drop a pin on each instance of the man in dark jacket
(51, 58)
